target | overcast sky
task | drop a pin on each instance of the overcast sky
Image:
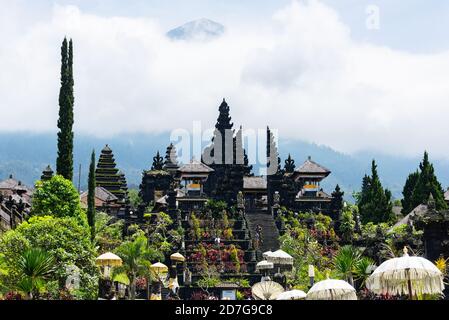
(312, 69)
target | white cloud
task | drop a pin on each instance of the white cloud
(300, 72)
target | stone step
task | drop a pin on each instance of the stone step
(270, 233)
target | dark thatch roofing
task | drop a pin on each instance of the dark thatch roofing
(254, 183)
(418, 211)
(106, 149)
(10, 184)
(195, 167)
(102, 194)
(310, 166)
(13, 185)
(156, 173)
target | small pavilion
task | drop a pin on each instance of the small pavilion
(311, 196)
(192, 177)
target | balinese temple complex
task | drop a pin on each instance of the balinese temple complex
(219, 205)
(298, 188)
(185, 192)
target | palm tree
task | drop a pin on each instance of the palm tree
(350, 264)
(363, 269)
(35, 267)
(345, 262)
(136, 258)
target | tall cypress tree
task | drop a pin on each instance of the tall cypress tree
(91, 196)
(427, 184)
(407, 192)
(64, 161)
(375, 202)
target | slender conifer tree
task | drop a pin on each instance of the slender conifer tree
(64, 161)
(91, 196)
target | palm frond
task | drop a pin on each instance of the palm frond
(36, 263)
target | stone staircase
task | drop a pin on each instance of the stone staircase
(270, 233)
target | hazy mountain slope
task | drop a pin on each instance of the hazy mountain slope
(25, 155)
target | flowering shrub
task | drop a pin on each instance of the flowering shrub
(199, 295)
(227, 234)
(13, 296)
(141, 283)
(211, 254)
(365, 294)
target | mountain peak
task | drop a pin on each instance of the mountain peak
(201, 29)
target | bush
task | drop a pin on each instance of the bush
(57, 197)
(65, 239)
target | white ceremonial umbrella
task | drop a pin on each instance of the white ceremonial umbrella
(266, 290)
(264, 265)
(406, 276)
(280, 257)
(267, 254)
(292, 295)
(332, 289)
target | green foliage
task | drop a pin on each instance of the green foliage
(239, 295)
(407, 192)
(370, 229)
(244, 283)
(209, 277)
(350, 265)
(374, 202)
(234, 256)
(91, 197)
(225, 221)
(399, 231)
(196, 225)
(64, 161)
(57, 197)
(160, 237)
(216, 207)
(345, 262)
(347, 225)
(363, 269)
(301, 244)
(427, 184)
(109, 234)
(121, 278)
(208, 282)
(35, 267)
(134, 198)
(227, 234)
(137, 257)
(64, 239)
